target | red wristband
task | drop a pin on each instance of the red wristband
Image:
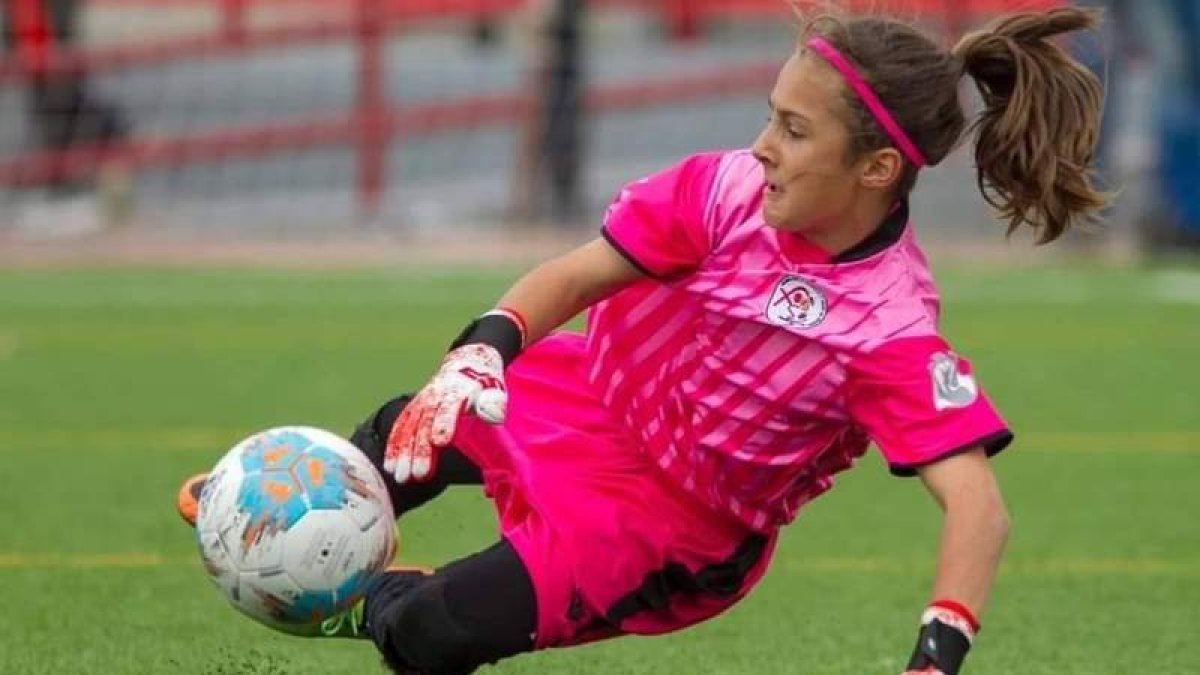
(959, 609)
(516, 317)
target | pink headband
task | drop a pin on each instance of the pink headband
(860, 87)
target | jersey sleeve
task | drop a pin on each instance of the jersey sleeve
(658, 222)
(920, 403)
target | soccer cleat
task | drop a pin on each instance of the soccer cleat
(187, 502)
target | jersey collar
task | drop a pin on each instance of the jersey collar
(888, 233)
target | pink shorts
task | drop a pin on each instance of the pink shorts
(611, 544)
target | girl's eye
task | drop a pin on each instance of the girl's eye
(788, 131)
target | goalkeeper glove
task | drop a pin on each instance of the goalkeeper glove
(470, 380)
(947, 630)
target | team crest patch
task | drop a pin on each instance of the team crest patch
(796, 303)
(951, 388)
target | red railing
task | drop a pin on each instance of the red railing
(373, 122)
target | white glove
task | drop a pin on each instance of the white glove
(471, 379)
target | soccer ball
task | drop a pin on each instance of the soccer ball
(293, 524)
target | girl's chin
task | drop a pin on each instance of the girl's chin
(773, 218)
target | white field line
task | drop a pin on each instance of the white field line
(1177, 286)
(868, 565)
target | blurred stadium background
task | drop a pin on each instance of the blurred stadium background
(303, 120)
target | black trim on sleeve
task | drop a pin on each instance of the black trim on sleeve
(992, 444)
(612, 241)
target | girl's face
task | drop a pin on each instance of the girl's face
(810, 186)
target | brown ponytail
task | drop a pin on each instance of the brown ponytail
(1040, 122)
(1041, 114)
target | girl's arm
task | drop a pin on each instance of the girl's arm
(974, 531)
(555, 291)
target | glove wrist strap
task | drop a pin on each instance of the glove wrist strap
(502, 329)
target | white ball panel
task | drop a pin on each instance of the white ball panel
(268, 598)
(221, 569)
(219, 498)
(255, 548)
(324, 548)
(364, 512)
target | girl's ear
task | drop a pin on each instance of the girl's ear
(881, 169)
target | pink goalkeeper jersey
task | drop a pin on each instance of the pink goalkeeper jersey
(753, 367)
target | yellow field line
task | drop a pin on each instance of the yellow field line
(867, 565)
(217, 440)
(44, 561)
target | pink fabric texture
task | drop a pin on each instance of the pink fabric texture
(587, 511)
(675, 201)
(917, 399)
(737, 371)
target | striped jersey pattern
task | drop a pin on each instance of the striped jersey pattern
(751, 366)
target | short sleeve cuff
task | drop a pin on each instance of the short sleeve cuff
(992, 444)
(625, 253)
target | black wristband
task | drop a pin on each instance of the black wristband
(495, 330)
(939, 645)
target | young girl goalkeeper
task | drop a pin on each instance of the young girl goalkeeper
(756, 317)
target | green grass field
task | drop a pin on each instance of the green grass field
(115, 384)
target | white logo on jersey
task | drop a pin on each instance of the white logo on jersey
(795, 302)
(951, 389)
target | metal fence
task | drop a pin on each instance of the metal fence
(287, 119)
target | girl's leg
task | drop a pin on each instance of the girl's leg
(472, 612)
